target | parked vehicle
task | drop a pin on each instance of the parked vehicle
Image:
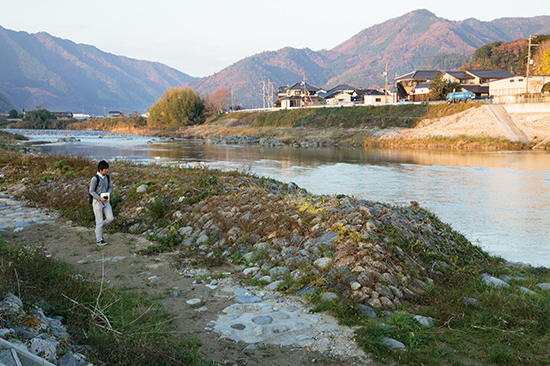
(457, 97)
(403, 100)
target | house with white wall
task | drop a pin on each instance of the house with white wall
(509, 89)
(371, 97)
(299, 95)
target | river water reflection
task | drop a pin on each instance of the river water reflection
(499, 199)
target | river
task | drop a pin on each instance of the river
(499, 200)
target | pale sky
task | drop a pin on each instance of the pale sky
(202, 37)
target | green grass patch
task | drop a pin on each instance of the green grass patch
(406, 115)
(506, 327)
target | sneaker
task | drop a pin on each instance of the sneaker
(102, 242)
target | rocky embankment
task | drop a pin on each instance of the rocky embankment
(372, 253)
(35, 338)
(269, 142)
(275, 236)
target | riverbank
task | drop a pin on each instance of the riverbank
(471, 126)
(442, 126)
(372, 265)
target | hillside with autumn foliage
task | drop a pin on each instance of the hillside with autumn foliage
(40, 70)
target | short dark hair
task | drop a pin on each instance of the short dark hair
(102, 165)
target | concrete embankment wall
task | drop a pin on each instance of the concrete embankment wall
(534, 121)
(527, 108)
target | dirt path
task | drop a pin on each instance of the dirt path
(121, 265)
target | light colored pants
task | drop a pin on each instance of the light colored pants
(101, 208)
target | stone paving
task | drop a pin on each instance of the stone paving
(14, 216)
(261, 317)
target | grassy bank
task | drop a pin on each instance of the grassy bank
(397, 246)
(346, 125)
(463, 142)
(355, 126)
(9, 140)
(405, 116)
(121, 326)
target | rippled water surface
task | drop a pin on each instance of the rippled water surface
(499, 199)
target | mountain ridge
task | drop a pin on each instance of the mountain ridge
(406, 42)
(46, 71)
(42, 70)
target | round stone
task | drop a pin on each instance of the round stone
(322, 263)
(246, 299)
(393, 343)
(262, 319)
(329, 296)
(142, 188)
(281, 329)
(238, 326)
(281, 315)
(311, 317)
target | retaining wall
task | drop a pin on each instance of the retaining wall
(527, 108)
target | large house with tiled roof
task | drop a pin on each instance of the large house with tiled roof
(298, 95)
(407, 82)
(460, 77)
(340, 95)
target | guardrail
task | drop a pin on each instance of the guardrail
(535, 99)
(325, 106)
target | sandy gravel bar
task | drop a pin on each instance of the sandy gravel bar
(472, 122)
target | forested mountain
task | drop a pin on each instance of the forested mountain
(5, 104)
(512, 56)
(418, 39)
(39, 70)
(42, 70)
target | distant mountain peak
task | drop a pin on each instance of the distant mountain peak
(43, 70)
(407, 42)
(58, 74)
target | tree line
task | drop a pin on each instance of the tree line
(178, 107)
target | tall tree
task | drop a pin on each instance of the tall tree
(541, 59)
(38, 118)
(219, 102)
(176, 108)
(222, 99)
(439, 87)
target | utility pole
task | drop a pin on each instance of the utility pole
(264, 93)
(528, 65)
(305, 89)
(271, 91)
(386, 87)
(306, 93)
